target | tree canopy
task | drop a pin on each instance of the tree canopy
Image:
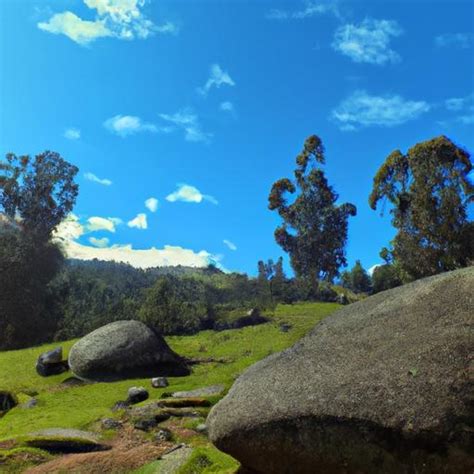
(314, 228)
(429, 191)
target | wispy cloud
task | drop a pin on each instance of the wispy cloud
(72, 133)
(309, 10)
(187, 193)
(362, 110)
(152, 204)
(230, 244)
(227, 106)
(122, 19)
(217, 78)
(92, 177)
(138, 222)
(125, 125)
(187, 121)
(457, 40)
(368, 42)
(71, 230)
(464, 108)
(100, 243)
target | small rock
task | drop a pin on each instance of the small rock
(52, 357)
(29, 404)
(120, 405)
(137, 395)
(285, 327)
(201, 428)
(164, 435)
(201, 392)
(51, 363)
(110, 424)
(159, 382)
(7, 401)
(145, 424)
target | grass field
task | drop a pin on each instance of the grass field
(79, 407)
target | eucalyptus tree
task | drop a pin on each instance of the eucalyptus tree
(314, 228)
(429, 192)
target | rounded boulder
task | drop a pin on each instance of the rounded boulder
(124, 350)
(385, 385)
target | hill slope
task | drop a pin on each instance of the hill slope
(82, 407)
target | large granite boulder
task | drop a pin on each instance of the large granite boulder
(124, 349)
(385, 385)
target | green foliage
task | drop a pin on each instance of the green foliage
(174, 305)
(385, 277)
(35, 195)
(357, 279)
(314, 229)
(41, 191)
(430, 191)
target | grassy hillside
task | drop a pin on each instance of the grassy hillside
(80, 407)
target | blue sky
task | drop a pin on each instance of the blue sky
(181, 114)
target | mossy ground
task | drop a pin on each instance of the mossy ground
(81, 406)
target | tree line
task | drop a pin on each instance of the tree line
(43, 296)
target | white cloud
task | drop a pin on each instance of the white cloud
(96, 223)
(187, 193)
(187, 121)
(92, 177)
(72, 133)
(368, 42)
(363, 110)
(227, 106)
(100, 243)
(310, 10)
(152, 204)
(139, 222)
(121, 19)
(124, 125)
(230, 244)
(458, 40)
(70, 25)
(217, 78)
(70, 230)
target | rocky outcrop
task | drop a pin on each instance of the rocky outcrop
(383, 385)
(122, 350)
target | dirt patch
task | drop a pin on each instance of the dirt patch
(129, 451)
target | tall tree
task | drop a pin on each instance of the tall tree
(429, 191)
(357, 279)
(35, 195)
(40, 191)
(314, 228)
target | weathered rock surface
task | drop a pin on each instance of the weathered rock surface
(201, 392)
(51, 363)
(383, 385)
(64, 440)
(159, 382)
(137, 395)
(124, 349)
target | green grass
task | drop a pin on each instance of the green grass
(79, 407)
